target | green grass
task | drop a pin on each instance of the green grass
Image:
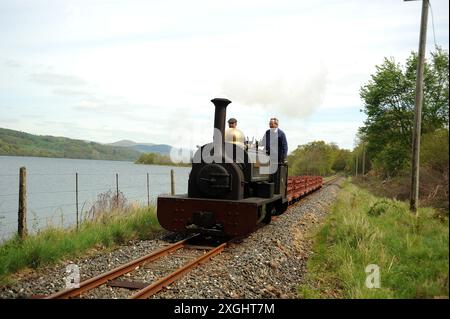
(52, 245)
(412, 252)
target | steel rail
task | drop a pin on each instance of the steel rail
(331, 180)
(167, 280)
(116, 272)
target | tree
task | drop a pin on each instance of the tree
(389, 105)
(317, 158)
(341, 161)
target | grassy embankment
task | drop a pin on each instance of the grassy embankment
(433, 188)
(412, 252)
(51, 245)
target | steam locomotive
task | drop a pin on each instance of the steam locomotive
(232, 188)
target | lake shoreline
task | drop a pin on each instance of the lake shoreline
(52, 185)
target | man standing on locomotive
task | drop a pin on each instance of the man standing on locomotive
(233, 134)
(278, 146)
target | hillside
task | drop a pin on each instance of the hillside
(15, 143)
(162, 149)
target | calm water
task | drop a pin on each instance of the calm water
(51, 187)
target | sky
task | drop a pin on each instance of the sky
(146, 71)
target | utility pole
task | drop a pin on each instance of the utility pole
(414, 195)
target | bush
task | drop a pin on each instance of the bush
(434, 150)
(379, 208)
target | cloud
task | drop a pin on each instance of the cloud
(55, 79)
(290, 59)
(111, 106)
(32, 116)
(58, 123)
(85, 96)
(73, 93)
(12, 63)
(6, 121)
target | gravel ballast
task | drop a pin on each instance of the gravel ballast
(270, 263)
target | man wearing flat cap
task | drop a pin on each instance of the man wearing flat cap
(232, 123)
(233, 134)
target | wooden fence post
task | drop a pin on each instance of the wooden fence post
(148, 191)
(117, 190)
(22, 228)
(76, 195)
(172, 182)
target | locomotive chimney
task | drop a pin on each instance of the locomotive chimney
(219, 119)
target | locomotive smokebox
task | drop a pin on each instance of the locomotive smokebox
(219, 120)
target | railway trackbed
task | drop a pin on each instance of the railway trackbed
(331, 180)
(202, 254)
(266, 264)
(140, 288)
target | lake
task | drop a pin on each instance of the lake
(51, 187)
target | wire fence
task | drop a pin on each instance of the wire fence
(77, 195)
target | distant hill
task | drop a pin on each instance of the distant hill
(15, 143)
(128, 143)
(162, 149)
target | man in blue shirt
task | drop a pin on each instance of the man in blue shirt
(278, 148)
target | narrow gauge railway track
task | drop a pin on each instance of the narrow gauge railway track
(147, 290)
(151, 288)
(331, 180)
